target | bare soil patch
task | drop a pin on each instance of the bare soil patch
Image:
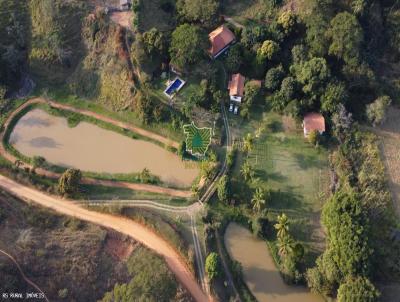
(118, 247)
(389, 136)
(123, 18)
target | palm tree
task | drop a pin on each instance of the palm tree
(282, 226)
(285, 245)
(248, 142)
(247, 171)
(258, 200)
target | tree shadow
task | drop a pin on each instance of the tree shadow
(306, 161)
(275, 126)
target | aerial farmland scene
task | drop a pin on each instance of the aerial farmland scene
(200, 150)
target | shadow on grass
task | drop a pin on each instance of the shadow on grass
(284, 200)
(275, 176)
(306, 161)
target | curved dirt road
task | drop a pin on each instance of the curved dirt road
(122, 225)
(92, 181)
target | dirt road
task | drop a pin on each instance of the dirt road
(122, 225)
(91, 181)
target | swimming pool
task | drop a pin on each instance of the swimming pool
(174, 86)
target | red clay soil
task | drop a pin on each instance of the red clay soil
(86, 180)
(120, 224)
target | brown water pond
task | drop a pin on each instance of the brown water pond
(259, 270)
(91, 148)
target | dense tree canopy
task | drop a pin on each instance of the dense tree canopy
(357, 290)
(204, 11)
(346, 36)
(188, 45)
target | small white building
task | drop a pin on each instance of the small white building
(236, 88)
(313, 122)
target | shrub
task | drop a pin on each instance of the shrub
(376, 111)
(213, 265)
(68, 183)
(357, 289)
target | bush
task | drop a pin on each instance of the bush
(213, 265)
(68, 183)
(376, 111)
(357, 289)
(274, 78)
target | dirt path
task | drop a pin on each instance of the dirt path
(23, 275)
(91, 181)
(123, 225)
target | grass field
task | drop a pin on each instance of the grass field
(294, 171)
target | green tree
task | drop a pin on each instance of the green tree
(268, 50)
(285, 245)
(252, 91)
(282, 226)
(145, 175)
(259, 200)
(188, 45)
(213, 265)
(223, 189)
(376, 111)
(274, 77)
(68, 183)
(313, 137)
(357, 289)
(346, 224)
(313, 74)
(234, 58)
(288, 89)
(287, 20)
(247, 171)
(205, 11)
(335, 93)
(151, 280)
(248, 143)
(346, 36)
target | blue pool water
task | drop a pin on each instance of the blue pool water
(173, 87)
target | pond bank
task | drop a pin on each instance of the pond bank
(259, 270)
(90, 148)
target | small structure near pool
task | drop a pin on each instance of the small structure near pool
(313, 122)
(173, 87)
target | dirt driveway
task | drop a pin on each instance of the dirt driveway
(123, 225)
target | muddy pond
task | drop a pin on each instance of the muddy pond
(94, 149)
(259, 271)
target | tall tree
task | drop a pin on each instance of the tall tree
(188, 45)
(282, 226)
(204, 11)
(346, 36)
(259, 200)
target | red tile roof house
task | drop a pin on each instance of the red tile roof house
(236, 87)
(313, 121)
(221, 39)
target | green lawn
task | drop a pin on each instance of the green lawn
(294, 171)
